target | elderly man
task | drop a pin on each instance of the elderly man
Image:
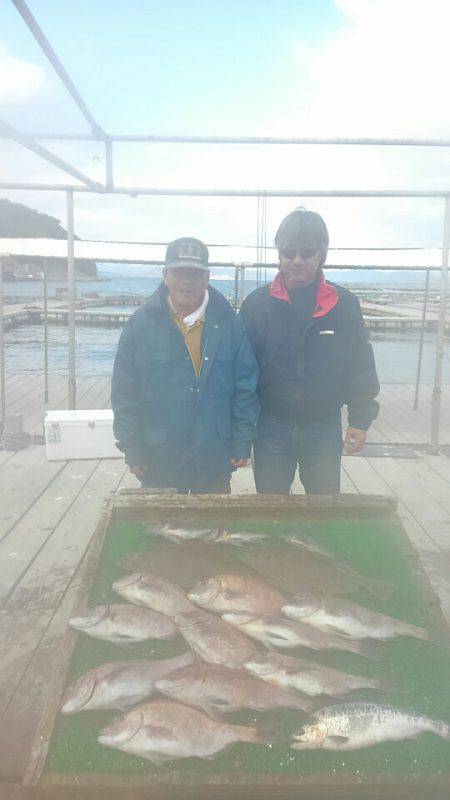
(312, 347)
(184, 381)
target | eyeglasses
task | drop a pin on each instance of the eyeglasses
(289, 253)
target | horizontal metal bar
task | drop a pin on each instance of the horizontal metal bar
(31, 144)
(155, 138)
(134, 191)
(42, 40)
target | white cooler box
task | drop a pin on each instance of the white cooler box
(80, 434)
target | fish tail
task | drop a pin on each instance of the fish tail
(263, 733)
(435, 638)
(441, 729)
(366, 649)
(382, 590)
(386, 685)
(303, 704)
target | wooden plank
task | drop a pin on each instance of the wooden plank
(23, 479)
(34, 413)
(412, 424)
(20, 633)
(5, 455)
(7, 790)
(36, 683)
(421, 505)
(36, 418)
(369, 481)
(45, 582)
(26, 539)
(431, 482)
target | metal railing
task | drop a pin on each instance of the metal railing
(86, 184)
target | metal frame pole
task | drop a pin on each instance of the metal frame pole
(27, 141)
(72, 390)
(236, 286)
(437, 389)
(422, 335)
(2, 355)
(241, 287)
(45, 334)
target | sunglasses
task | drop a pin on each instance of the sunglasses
(289, 253)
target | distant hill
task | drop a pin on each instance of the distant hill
(18, 221)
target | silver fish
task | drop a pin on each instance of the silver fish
(178, 533)
(381, 589)
(343, 617)
(233, 592)
(277, 632)
(218, 690)
(308, 677)
(214, 535)
(351, 726)
(213, 640)
(118, 685)
(167, 731)
(122, 623)
(145, 589)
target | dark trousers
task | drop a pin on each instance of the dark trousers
(221, 486)
(316, 447)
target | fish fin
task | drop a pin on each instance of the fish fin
(330, 628)
(231, 594)
(158, 759)
(369, 650)
(270, 732)
(437, 639)
(336, 739)
(159, 732)
(382, 590)
(219, 701)
(386, 685)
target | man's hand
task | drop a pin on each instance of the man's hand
(239, 462)
(138, 471)
(354, 441)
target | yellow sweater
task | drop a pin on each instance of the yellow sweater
(192, 337)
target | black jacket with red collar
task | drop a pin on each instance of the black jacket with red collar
(310, 375)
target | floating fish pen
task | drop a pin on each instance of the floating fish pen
(354, 548)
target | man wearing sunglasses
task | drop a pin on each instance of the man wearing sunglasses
(312, 347)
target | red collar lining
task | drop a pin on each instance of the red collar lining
(326, 295)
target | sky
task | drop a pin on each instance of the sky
(370, 68)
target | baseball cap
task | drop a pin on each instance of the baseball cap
(187, 252)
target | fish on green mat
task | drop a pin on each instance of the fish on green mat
(213, 640)
(309, 677)
(175, 532)
(292, 571)
(119, 685)
(165, 731)
(145, 589)
(278, 632)
(233, 592)
(122, 623)
(350, 726)
(184, 564)
(218, 690)
(378, 588)
(343, 617)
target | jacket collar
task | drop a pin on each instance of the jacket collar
(326, 295)
(217, 303)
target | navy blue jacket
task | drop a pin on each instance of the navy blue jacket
(182, 427)
(307, 374)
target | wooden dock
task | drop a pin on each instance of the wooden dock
(378, 317)
(49, 512)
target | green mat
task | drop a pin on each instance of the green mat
(375, 548)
